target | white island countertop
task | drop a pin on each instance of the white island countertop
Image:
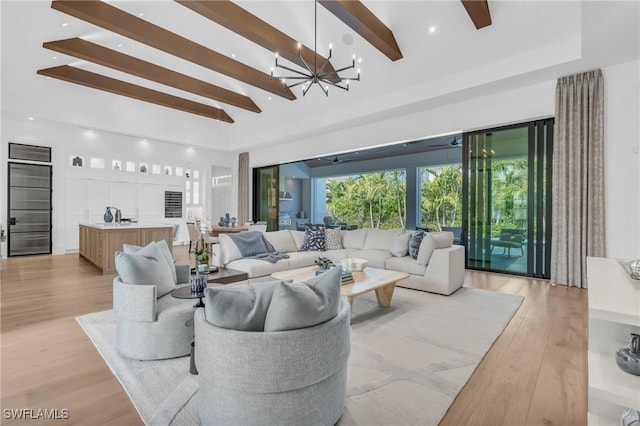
(128, 225)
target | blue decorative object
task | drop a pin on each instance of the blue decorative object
(108, 217)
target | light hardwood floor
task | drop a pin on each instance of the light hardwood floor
(535, 373)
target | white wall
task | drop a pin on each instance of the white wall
(82, 194)
(622, 100)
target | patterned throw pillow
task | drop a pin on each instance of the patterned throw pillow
(313, 240)
(332, 239)
(414, 243)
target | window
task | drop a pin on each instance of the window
(368, 200)
(440, 196)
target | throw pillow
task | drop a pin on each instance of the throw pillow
(400, 243)
(238, 306)
(432, 241)
(251, 243)
(313, 240)
(145, 267)
(164, 251)
(414, 243)
(304, 304)
(332, 239)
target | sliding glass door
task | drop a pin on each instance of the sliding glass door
(265, 196)
(507, 198)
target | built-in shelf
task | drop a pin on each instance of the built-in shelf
(614, 312)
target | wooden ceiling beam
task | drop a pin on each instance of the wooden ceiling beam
(364, 22)
(113, 19)
(92, 52)
(478, 11)
(243, 23)
(112, 85)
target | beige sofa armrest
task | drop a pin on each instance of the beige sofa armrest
(445, 271)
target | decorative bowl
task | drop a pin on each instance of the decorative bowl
(353, 264)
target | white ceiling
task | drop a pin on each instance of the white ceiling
(528, 42)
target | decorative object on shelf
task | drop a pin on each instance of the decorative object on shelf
(324, 265)
(234, 222)
(108, 217)
(312, 74)
(628, 357)
(227, 221)
(354, 264)
(630, 417)
(301, 214)
(77, 161)
(143, 168)
(633, 269)
(198, 283)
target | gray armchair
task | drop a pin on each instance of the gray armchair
(294, 377)
(148, 327)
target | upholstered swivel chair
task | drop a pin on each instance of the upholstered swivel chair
(294, 377)
(150, 327)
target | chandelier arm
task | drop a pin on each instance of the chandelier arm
(306, 89)
(324, 64)
(295, 71)
(306, 65)
(299, 83)
(334, 84)
(349, 67)
(294, 77)
(324, 89)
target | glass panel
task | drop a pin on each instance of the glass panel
(131, 166)
(368, 200)
(179, 171)
(265, 195)
(155, 169)
(498, 199)
(96, 163)
(441, 199)
(187, 196)
(196, 192)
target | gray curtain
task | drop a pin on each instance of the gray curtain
(244, 176)
(578, 177)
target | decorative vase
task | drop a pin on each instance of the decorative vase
(108, 217)
(628, 357)
(198, 283)
(202, 262)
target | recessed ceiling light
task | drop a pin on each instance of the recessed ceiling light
(359, 60)
(54, 58)
(233, 55)
(432, 29)
(119, 44)
(269, 98)
(65, 24)
(140, 14)
(30, 118)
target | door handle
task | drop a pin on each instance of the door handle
(12, 221)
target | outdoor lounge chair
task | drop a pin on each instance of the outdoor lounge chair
(509, 238)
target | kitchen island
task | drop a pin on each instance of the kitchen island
(100, 241)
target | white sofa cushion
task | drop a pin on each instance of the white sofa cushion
(400, 243)
(432, 241)
(258, 268)
(304, 258)
(354, 239)
(376, 258)
(379, 239)
(405, 264)
(335, 255)
(304, 304)
(298, 238)
(282, 241)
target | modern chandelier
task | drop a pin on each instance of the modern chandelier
(312, 74)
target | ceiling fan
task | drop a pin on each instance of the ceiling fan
(336, 160)
(455, 143)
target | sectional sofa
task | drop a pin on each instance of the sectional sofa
(439, 267)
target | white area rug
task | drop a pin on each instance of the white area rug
(407, 364)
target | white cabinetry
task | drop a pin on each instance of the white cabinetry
(614, 312)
